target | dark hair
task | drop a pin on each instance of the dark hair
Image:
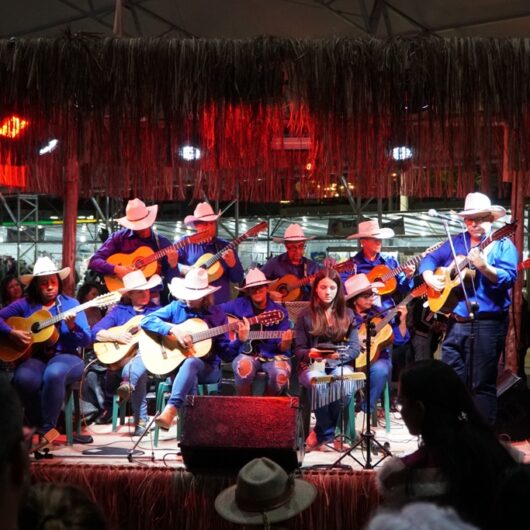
(4, 296)
(319, 321)
(84, 289)
(33, 293)
(60, 506)
(466, 448)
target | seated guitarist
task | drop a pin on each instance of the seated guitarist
(137, 232)
(496, 271)
(204, 219)
(41, 380)
(136, 300)
(269, 355)
(293, 260)
(361, 296)
(194, 300)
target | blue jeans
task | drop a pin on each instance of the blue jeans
(42, 386)
(328, 416)
(136, 373)
(247, 366)
(477, 368)
(380, 372)
(192, 372)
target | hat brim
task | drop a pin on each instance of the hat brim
(292, 239)
(255, 284)
(180, 291)
(303, 495)
(496, 211)
(190, 220)
(152, 282)
(374, 286)
(142, 224)
(382, 233)
(63, 274)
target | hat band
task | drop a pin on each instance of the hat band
(139, 218)
(196, 288)
(265, 505)
(46, 273)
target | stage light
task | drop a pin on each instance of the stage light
(401, 153)
(11, 127)
(50, 146)
(190, 152)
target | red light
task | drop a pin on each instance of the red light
(309, 166)
(11, 127)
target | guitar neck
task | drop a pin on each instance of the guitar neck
(219, 330)
(339, 267)
(415, 261)
(163, 252)
(60, 316)
(392, 313)
(261, 335)
(231, 246)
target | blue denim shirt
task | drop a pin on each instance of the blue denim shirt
(242, 307)
(68, 341)
(191, 253)
(491, 297)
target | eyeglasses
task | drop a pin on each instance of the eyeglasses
(366, 295)
(477, 220)
(295, 246)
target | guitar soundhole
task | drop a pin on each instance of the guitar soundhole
(283, 289)
(35, 327)
(138, 264)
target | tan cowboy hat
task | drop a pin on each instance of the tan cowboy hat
(193, 286)
(138, 216)
(254, 278)
(293, 233)
(44, 266)
(136, 281)
(203, 213)
(359, 283)
(264, 492)
(479, 204)
(372, 229)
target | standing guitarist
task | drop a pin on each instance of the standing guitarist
(293, 260)
(112, 328)
(268, 355)
(496, 271)
(137, 232)
(205, 220)
(41, 380)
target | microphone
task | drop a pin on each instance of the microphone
(435, 213)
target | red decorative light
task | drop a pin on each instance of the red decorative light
(13, 176)
(11, 127)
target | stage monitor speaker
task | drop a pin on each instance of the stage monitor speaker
(223, 433)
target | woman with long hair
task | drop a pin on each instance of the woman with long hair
(11, 289)
(325, 325)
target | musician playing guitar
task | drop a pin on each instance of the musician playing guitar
(204, 219)
(292, 261)
(495, 273)
(269, 355)
(137, 232)
(113, 330)
(42, 378)
(194, 300)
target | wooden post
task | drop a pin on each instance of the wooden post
(71, 198)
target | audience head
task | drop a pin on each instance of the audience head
(11, 289)
(88, 291)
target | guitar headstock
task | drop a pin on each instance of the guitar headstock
(201, 237)
(270, 317)
(345, 266)
(106, 300)
(255, 230)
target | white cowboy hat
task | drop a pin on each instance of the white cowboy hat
(372, 229)
(203, 213)
(254, 278)
(479, 204)
(193, 286)
(359, 283)
(138, 216)
(264, 492)
(136, 281)
(293, 233)
(44, 266)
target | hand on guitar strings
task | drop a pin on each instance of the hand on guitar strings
(20, 337)
(230, 258)
(409, 271)
(434, 282)
(172, 257)
(121, 270)
(243, 329)
(69, 320)
(477, 259)
(182, 337)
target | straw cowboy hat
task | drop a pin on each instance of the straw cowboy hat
(293, 233)
(136, 281)
(203, 213)
(264, 494)
(372, 229)
(254, 278)
(193, 286)
(44, 266)
(138, 216)
(479, 204)
(359, 283)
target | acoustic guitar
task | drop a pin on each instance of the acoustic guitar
(382, 334)
(445, 300)
(163, 354)
(289, 285)
(146, 259)
(386, 275)
(114, 354)
(210, 262)
(257, 334)
(41, 325)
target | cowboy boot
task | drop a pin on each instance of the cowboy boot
(167, 417)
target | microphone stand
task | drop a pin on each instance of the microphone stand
(130, 452)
